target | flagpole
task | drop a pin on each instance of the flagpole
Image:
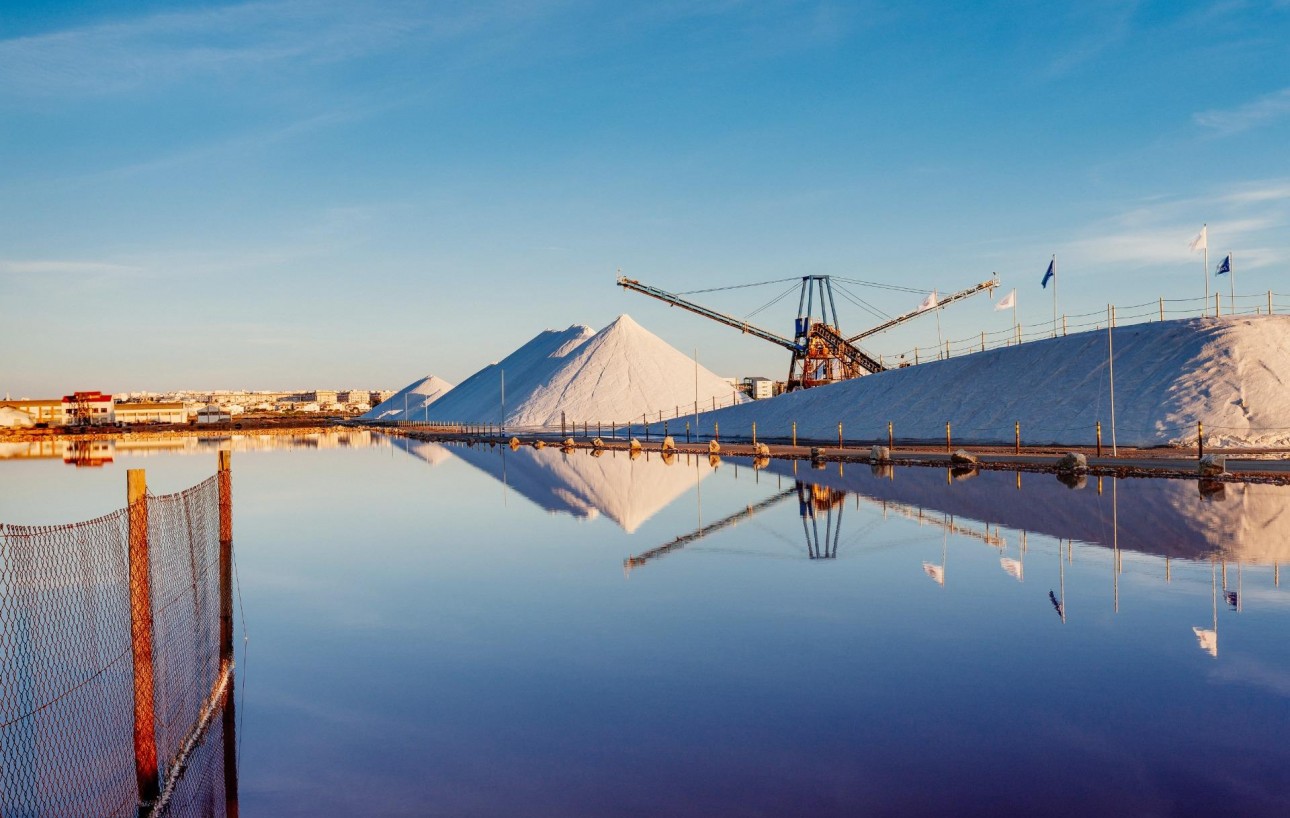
(1231, 271)
(1054, 295)
(1204, 228)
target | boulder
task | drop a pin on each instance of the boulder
(515, 443)
(714, 447)
(598, 444)
(537, 444)
(1072, 463)
(1212, 465)
(569, 443)
(761, 450)
(880, 454)
(669, 445)
(962, 457)
(635, 445)
(817, 454)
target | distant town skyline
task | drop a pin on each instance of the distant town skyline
(256, 195)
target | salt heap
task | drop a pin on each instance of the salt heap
(478, 399)
(1231, 373)
(14, 418)
(409, 402)
(617, 375)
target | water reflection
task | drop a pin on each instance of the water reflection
(626, 488)
(94, 452)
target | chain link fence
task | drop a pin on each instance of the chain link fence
(77, 725)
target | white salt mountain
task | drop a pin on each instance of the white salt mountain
(409, 402)
(622, 373)
(478, 399)
(1231, 373)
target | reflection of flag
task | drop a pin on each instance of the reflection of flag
(936, 572)
(1057, 605)
(1013, 567)
(1201, 242)
(1225, 266)
(928, 302)
(1007, 302)
(1051, 272)
(1208, 640)
(1231, 598)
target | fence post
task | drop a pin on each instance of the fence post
(891, 444)
(947, 436)
(1099, 438)
(794, 433)
(145, 722)
(1063, 325)
(1162, 308)
(1200, 440)
(1018, 437)
(225, 482)
(1269, 302)
(840, 436)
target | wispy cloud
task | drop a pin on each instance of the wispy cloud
(1227, 121)
(1101, 26)
(165, 48)
(1248, 219)
(36, 267)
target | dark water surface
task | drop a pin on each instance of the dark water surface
(472, 632)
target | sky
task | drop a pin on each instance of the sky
(324, 194)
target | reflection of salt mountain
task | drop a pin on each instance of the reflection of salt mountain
(626, 491)
(1169, 518)
(430, 452)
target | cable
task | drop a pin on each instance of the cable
(738, 286)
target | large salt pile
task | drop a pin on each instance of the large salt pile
(409, 402)
(1232, 373)
(478, 399)
(617, 375)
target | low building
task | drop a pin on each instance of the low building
(759, 388)
(212, 414)
(88, 409)
(131, 413)
(40, 411)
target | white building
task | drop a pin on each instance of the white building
(212, 414)
(131, 413)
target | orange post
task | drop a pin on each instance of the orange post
(145, 723)
(225, 483)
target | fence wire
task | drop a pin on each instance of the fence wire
(66, 662)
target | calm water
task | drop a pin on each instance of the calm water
(472, 632)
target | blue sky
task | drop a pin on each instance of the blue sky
(285, 194)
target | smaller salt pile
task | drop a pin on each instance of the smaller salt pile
(409, 402)
(478, 399)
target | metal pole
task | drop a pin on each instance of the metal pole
(1204, 265)
(1018, 437)
(503, 421)
(145, 723)
(840, 436)
(947, 435)
(1110, 363)
(225, 484)
(890, 439)
(1200, 440)
(1099, 438)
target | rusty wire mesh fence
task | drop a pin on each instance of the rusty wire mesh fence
(69, 686)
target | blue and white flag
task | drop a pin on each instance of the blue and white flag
(1051, 272)
(1225, 266)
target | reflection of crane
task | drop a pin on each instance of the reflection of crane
(811, 500)
(681, 542)
(821, 354)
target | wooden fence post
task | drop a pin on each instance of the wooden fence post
(225, 482)
(947, 435)
(145, 720)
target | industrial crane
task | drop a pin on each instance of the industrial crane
(821, 354)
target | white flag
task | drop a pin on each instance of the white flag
(1008, 302)
(1201, 242)
(936, 572)
(1208, 640)
(928, 302)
